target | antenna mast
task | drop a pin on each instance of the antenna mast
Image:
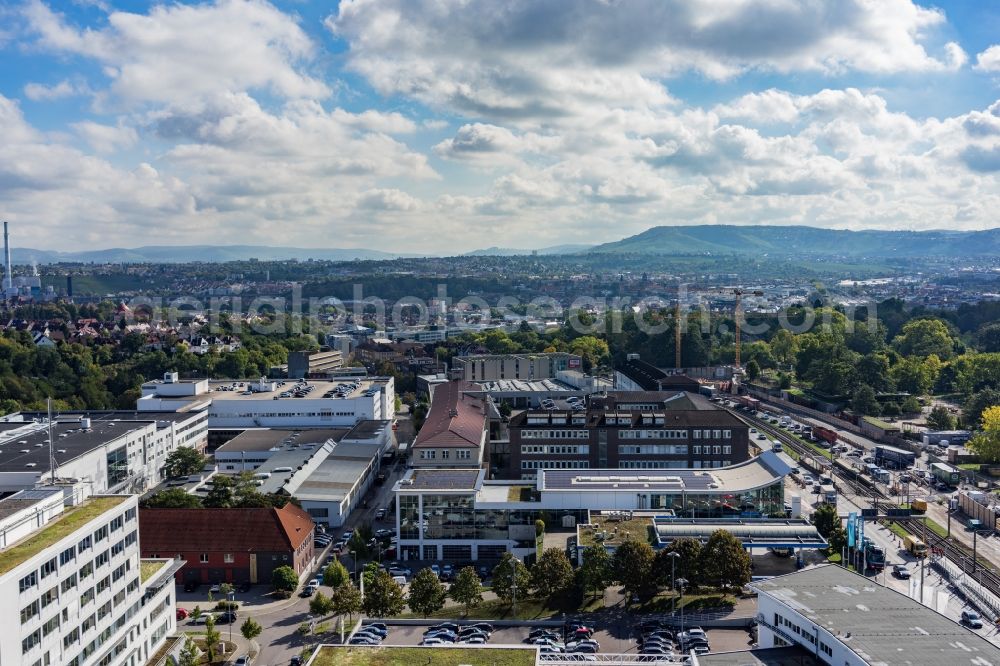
(52, 453)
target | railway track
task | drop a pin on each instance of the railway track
(954, 551)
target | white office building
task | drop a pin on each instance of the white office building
(274, 403)
(845, 619)
(75, 590)
(96, 452)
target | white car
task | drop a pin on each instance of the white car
(434, 641)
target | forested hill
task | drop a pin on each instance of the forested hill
(801, 240)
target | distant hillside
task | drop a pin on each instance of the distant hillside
(510, 252)
(189, 253)
(801, 240)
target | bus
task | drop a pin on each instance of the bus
(915, 546)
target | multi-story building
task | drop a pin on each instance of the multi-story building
(75, 590)
(313, 363)
(96, 452)
(235, 405)
(456, 514)
(843, 618)
(494, 367)
(633, 438)
(455, 432)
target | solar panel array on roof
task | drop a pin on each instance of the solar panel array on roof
(442, 479)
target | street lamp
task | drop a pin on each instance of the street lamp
(231, 598)
(674, 556)
(681, 584)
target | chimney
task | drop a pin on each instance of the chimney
(8, 280)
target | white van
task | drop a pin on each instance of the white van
(281, 469)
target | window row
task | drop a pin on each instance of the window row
(555, 464)
(563, 449)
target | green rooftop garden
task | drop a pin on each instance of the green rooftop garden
(68, 522)
(148, 568)
(617, 530)
(424, 656)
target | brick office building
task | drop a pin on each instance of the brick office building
(229, 545)
(612, 436)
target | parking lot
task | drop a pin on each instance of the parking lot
(617, 639)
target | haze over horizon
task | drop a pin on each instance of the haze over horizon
(435, 127)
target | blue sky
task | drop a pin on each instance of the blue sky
(444, 126)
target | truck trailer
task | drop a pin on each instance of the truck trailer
(946, 473)
(893, 458)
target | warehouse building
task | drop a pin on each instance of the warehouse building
(844, 619)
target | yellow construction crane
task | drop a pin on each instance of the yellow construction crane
(738, 316)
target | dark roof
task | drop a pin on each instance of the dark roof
(18, 449)
(264, 439)
(644, 374)
(651, 378)
(367, 429)
(441, 479)
(171, 531)
(454, 420)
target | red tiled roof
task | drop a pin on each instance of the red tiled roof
(167, 531)
(454, 420)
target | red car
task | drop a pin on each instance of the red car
(182, 613)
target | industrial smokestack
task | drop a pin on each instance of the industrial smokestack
(8, 280)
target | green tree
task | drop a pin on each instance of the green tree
(172, 498)
(784, 381)
(320, 605)
(222, 494)
(539, 527)
(467, 589)
(725, 564)
(910, 405)
(979, 402)
(753, 370)
(359, 542)
(632, 564)
(593, 351)
(505, 408)
(595, 571)
(986, 443)
(552, 574)
(923, 337)
(686, 566)
(251, 629)
(864, 401)
(427, 594)
(988, 337)
(196, 612)
(336, 574)
(190, 654)
(183, 461)
(825, 518)
(784, 346)
(510, 577)
(212, 638)
(384, 597)
(345, 599)
(940, 418)
(284, 579)
(837, 539)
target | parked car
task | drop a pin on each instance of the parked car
(971, 619)
(450, 626)
(226, 617)
(900, 571)
(182, 613)
(485, 626)
(477, 639)
(245, 586)
(436, 570)
(296, 661)
(380, 631)
(430, 640)
(363, 640)
(191, 586)
(245, 660)
(380, 514)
